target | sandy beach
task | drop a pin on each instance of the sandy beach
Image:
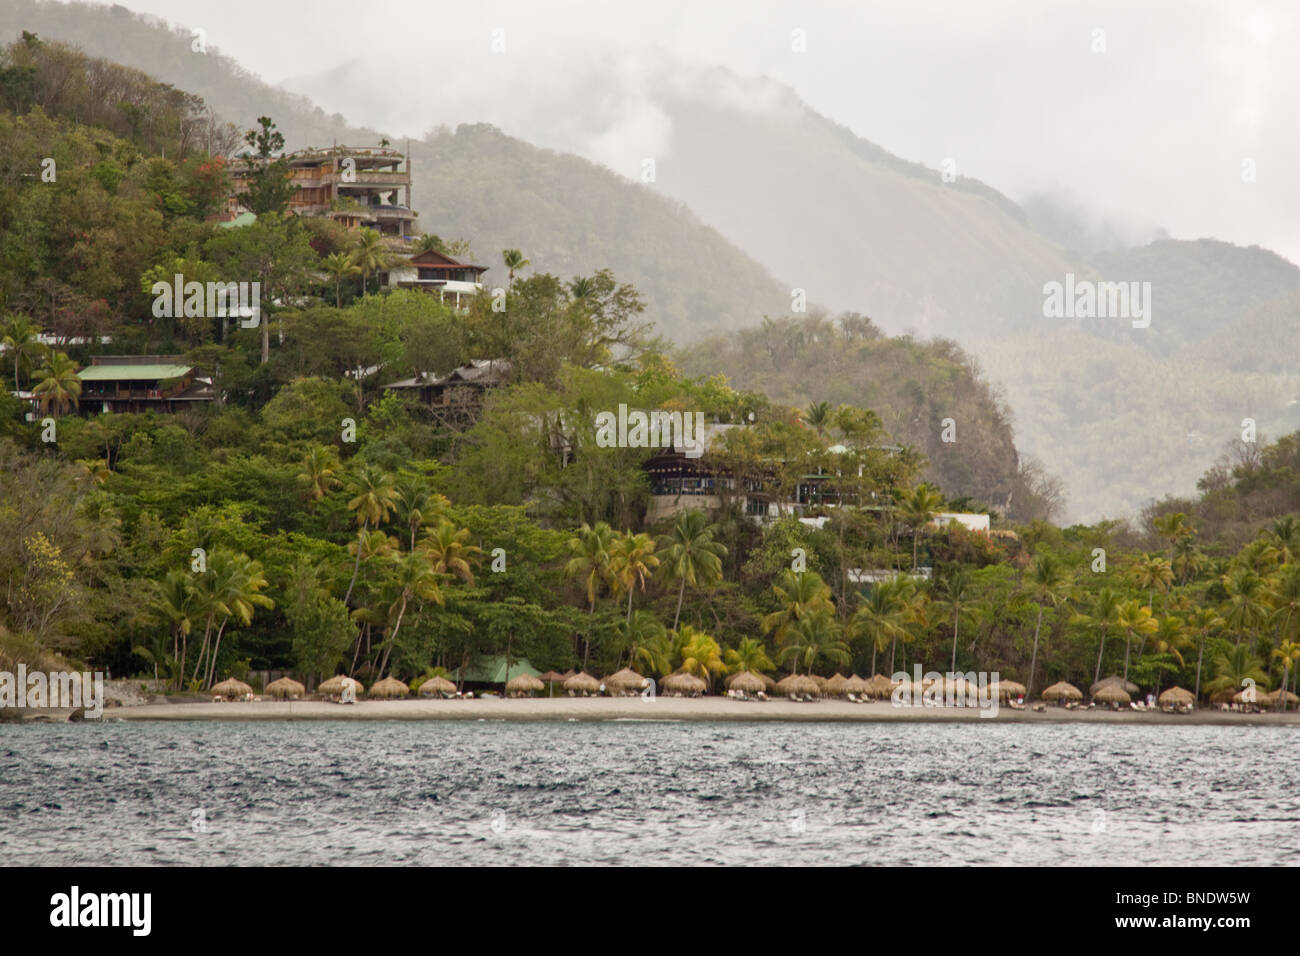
(662, 708)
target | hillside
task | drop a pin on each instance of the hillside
(567, 215)
(912, 385)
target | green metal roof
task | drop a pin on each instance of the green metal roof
(132, 373)
(492, 670)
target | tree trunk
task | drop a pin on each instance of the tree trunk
(357, 564)
(1128, 642)
(212, 664)
(1033, 660)
(1200, 653)
(956, 616)
(681, 593)
(388, 650)
(1096, 676)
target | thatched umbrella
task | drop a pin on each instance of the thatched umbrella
(1007, 689)
(1113, 681)
(1112, 694)
(880, 686)
(1224, 696)
(390, 687)
(834, 686)
(1241, 696)
(232, 689)
(334, 686)
(857, 686)
(747, 681)
(624, 681)
(685, 684)
(583, 683)
(1175, 697)
(1271, 698)
(798, 684)
(960, 689)
(553, 677)
(1061, 692)
(524, 684)
(437, 685)
(286, 688)
(818, 680)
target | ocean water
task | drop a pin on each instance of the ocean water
(646, 793)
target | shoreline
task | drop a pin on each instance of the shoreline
(662, 708)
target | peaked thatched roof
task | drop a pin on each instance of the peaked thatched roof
(747, 681)
(582, 682)
(1114, 681)
(626, 679)
(437, 685)
(1175, 695)
(1062, 691)
(231, 688)
(390, 687)
(286, 688)
(335, 685)
(685, 684)
(524, 684)
(1112, 694)
(1005, 689)
(835, 686)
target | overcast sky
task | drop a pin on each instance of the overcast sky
(1152, 131)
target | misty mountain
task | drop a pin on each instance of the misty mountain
(1123, 415)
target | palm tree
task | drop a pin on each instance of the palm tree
(240, 593)
(445, 545)
(958, 591)
(701, 654)
(319, 471)
(1170, 637)
(632, 560)
(1049, 583)
(799, 593)
(374, 499)
(1246, 609)
(427, 242)
(646, 644)
(589, 564)
(1133, 617)
(1153, 572)
(514, 261)
(881, 618)
(1200, 622)
(340, 266)
(690, 555)
(1233, 669)
(370, 255)
(96, 470)
(582, 288)
(418, 504)
(21, 337)
(415, 576)
(1101, 614)
(59, 387)
(1285, 589)
(749, 655)
(1173, 527)
(819, 416)
(814, 636)
(1288, 652)
(1284, 540)
(650, 646)
(918, 509)
(172, 603)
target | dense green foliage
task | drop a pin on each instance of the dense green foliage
(312, 520)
